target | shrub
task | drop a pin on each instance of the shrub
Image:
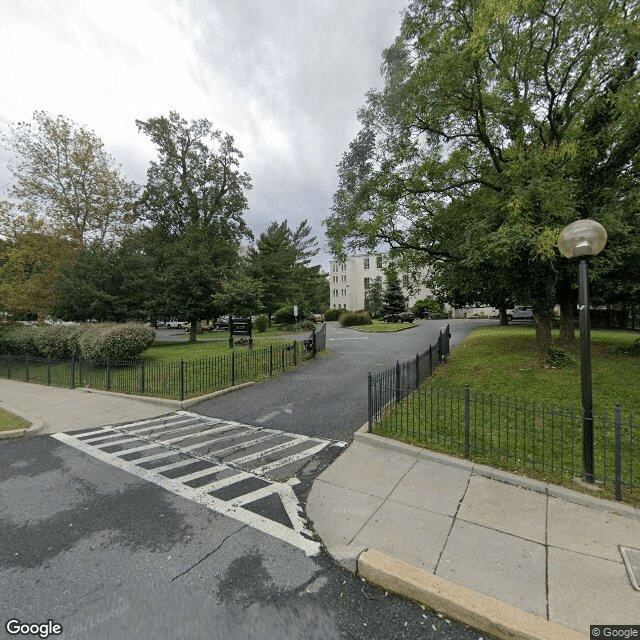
(261, 324)
(631, 350)
(429, 308)
(19, 339)
(62, 342)
(305, 325)
(561, 359)
(333, 314)
(116, 342)
(73, 342)
(354, 318)
(284, 315)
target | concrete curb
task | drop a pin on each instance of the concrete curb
(459, 603)
(13, 433)
(552, 490)
(176, 404)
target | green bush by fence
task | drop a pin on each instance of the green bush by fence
(81, 341)
(355, 318)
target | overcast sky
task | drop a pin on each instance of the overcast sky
(284, 77)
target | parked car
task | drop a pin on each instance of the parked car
(175, 324)
(222, 323)
(316, 317)
(520, 313)
(404, 316)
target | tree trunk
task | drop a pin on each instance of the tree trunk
(504, 322)
(193, 327)
(543, 335)
(567, 326)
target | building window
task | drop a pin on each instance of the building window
(344, 293)
(367, 283)
(335, 279)
(379, 262)
(335, 293)
(344, 266)
(344, 278)
(366, 263)
(405, 281)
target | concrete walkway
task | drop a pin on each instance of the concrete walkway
(54, 410)
(513, 554)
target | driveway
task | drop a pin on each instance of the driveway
(327, 397)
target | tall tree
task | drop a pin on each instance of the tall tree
(524, 112)
(194, 202)
(393, 300)
(64, 177)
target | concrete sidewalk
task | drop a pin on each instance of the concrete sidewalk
(513, 557)
(53, 409)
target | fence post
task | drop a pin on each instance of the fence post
(270, 359)
(9, 367)
(142, 378)
(618, 453)
(73, 375)
(369, 407)
(295, 348)
(467, 421)
(181, 379)
(108, 374)
(48, 371)
(233, 368)
(397, 382)
(26, 371)
(417, 370)
(314, 344)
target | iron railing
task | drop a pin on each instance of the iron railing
(501, 431)
(181, 379)
(392, 385)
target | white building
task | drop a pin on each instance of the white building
(350, 280)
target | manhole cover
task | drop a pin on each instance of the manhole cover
(631, 559)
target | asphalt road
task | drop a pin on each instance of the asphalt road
(108, 554)
(327, 397)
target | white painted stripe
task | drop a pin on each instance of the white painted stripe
(264, 452)
(263, 492)
(174, 465)
(223, 439)
(151, 445)
(105, 429)
(173, 425)
(201, 473)
(294, 537)
(192, 435)
(241, 445)
(214, 485)
(268, 417)
(104, 434)
(282, 462)
(155, 456)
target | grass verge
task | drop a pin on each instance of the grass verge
(9, 421)
(525, 416)
(379, 326)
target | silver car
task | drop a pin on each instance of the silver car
(520, 313)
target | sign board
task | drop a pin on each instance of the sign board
(295, 310)
(240, 326)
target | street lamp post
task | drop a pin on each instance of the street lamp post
(584, 239)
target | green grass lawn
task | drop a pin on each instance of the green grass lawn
(379, 326)
(525, 416)
(503, 361)
(9, 421)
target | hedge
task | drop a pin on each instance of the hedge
(89, 342)
(354, 318)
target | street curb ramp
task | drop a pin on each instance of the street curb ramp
(459, 603)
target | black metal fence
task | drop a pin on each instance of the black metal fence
(392, 385)
(179, 380)
(501, 431)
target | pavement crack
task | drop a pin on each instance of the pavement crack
(193, 566)
(453, 521)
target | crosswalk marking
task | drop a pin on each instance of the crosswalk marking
(245, 455)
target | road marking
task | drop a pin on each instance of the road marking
(298, 536)
(288, 408)
(215, 444)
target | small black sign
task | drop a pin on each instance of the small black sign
(240, 326)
